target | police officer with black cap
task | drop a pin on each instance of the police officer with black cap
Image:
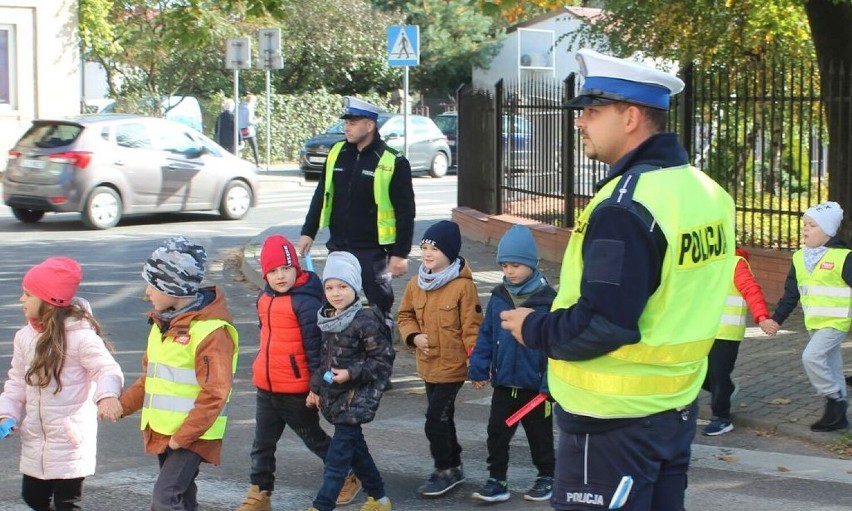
(366, 199)
(643, 284)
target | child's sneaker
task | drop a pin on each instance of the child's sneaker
(441, 481)
(493, 491)
(350, 490)
(376, 505)
(717, 427)
(256, 500)
(541, 489)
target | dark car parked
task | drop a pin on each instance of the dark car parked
(107, 166)
(427, 147)
(517, 138)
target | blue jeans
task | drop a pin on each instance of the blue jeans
(348, 448)
(274, 411)
(653, 450)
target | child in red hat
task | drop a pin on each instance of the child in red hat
(60, 368)
(289, 354)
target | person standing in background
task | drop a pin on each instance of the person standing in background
(224, 131)
(247, 124)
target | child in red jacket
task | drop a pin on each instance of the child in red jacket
(289, 355)
(744, 291)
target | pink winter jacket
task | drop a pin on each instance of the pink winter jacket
(59, 431)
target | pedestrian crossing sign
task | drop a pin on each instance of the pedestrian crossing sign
(403, 45)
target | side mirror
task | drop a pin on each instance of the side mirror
(196, 152)
(393, 136)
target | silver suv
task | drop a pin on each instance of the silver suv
(106, 166)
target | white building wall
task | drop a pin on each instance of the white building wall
(43, 65)
(506, 64)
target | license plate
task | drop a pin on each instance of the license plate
(33, 164)
(316, 159)
(25, 188)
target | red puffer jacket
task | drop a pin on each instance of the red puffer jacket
(289, 337)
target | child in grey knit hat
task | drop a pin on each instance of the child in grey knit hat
(356, 358)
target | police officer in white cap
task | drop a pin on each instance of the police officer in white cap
(643, 284)
(366, 199)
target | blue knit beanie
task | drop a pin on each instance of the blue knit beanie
(518, 246)
(446, 236)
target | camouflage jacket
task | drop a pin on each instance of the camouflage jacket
(365, 349)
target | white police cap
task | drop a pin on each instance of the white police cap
(354, 108)
(610, 79)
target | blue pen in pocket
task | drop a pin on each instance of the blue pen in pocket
(619, 498)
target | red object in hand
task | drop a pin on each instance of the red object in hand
(524, 410)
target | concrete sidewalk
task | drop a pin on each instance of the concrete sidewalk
(774, 395)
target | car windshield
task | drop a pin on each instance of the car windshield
(447, 123)
(47, 135)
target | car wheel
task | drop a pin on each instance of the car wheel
(440, 164)
(236, 201)
(103, 208)
(28, 216)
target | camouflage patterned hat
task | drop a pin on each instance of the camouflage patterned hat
(177, 267)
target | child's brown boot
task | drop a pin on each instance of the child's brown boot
(351, 487)
(256, 500)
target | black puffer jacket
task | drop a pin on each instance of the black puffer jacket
(364, 348)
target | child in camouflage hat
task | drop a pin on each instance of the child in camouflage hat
(187, 371)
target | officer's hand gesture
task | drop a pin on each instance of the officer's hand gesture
(513, 321)
(304, 245)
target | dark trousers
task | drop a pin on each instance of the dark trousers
(538, 426)
(375, 276)
(720, 365)
(440, 424)
(252, 142)
(65, 493)
(348, 449)
(175, 489)
(273, 413)
(653, 450)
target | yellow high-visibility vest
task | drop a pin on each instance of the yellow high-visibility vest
(732, 326)
(665, 369)
(826, 298)
(385, 215)
(171, 386)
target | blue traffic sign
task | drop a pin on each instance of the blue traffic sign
(403, 45)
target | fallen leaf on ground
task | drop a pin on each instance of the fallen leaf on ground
(782, 468)
(730, 458)
(780, 401)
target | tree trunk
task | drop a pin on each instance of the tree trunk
(830, 22)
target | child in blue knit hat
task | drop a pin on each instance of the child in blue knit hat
(517, 373)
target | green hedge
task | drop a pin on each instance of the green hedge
(295, 118)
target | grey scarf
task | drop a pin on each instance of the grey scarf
(169, 314)
(813, 255)
(339, 321)
(432, 281)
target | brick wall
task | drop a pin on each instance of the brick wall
(770, 267)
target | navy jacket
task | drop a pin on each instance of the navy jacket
(353, 215)
(498, 357)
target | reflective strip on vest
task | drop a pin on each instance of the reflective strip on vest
(174, 404)
(826, 298)
(174, 374)
(385, 214)
(732, 325)
(666, 368)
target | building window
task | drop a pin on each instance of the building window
(7, 67)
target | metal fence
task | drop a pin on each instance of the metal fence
(759, 130)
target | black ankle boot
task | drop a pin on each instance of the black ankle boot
(833, 418)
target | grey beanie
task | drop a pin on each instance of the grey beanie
(518, 246)
(343, 266)
(177, 267)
